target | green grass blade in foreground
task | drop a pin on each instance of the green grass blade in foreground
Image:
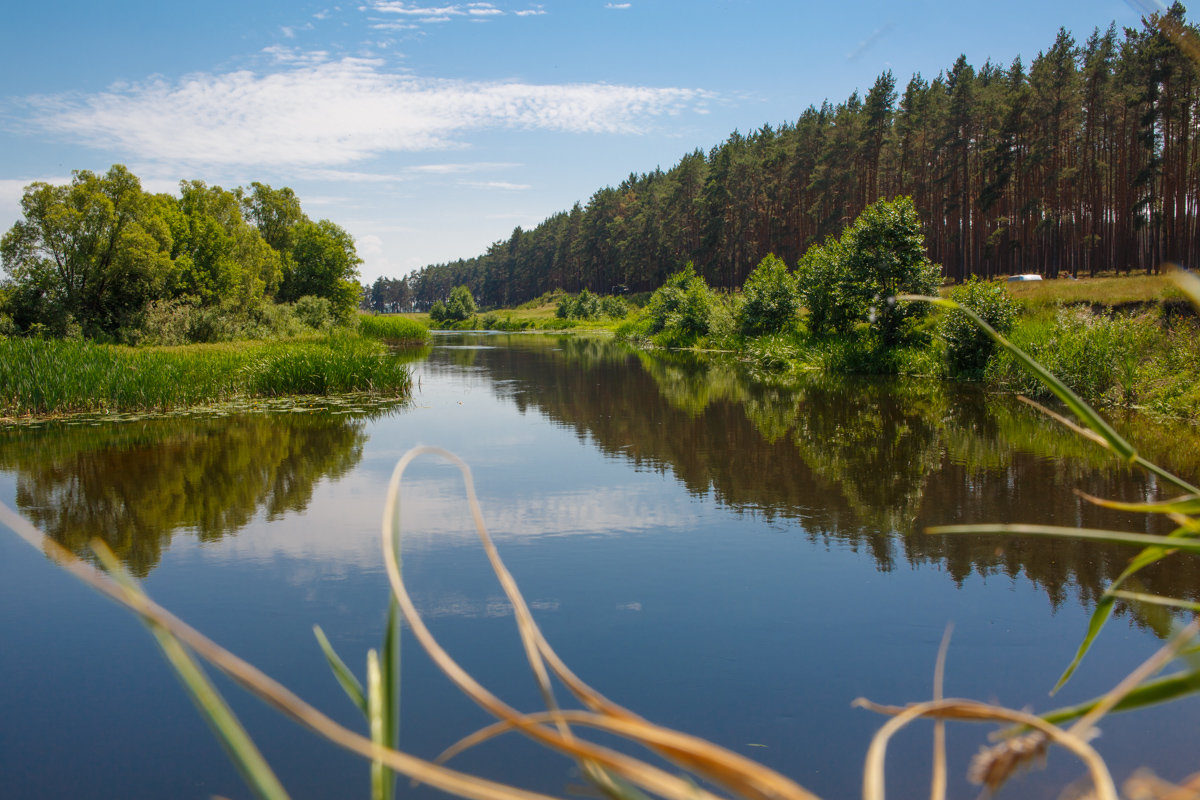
(382, 779)
(390, 664)
(1160, 690)
(1161, 547)
(1188, 504)
(1081, 409)
(1091, 534)
(212, 706)
(345, 677)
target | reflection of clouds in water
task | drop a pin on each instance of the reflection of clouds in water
(454, 604)
(634, 606)
(339, 532)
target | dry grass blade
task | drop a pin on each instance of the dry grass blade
(735, 772)
(873, 771)
(937, 790)
(263, 686)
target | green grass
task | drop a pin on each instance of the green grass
(1112, 292)
(52, 376)
(392, 328)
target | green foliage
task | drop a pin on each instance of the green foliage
(771, 298)
(100, 258)
(315, 312)
(856, 280)
(1102, 358)
(324, 263)
(437, 312)
(586, 305)
(681, 308)
(968, 348)
(460, 305)
(88, 251)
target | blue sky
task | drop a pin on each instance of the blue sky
(431, 129)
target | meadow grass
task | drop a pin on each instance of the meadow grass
(1106, 291)
(54, 376)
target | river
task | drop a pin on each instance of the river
(730, 554)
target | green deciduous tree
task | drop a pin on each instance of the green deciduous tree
(324, 263)
(87, 252)
(856, 278)
(461, 304)
(771, 298)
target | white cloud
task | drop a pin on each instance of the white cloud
(448, 169)
(497, 185)
(334, 113)
(618, 5)
(289, 33)
(290, 55)
(530, 12)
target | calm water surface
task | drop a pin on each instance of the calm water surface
(738, 558)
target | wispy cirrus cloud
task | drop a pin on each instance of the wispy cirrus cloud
(318, 113)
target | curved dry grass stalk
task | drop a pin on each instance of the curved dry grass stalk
(740, 775)
(873, 771)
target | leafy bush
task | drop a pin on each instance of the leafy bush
(1101, 358)
(681, 307)
(771, 298)
(967, 347)
(315, 312)
(855, 279)
(437, 312)
(461, 304)
(586, 305)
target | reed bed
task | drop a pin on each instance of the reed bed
(393, 328)
(41, 377)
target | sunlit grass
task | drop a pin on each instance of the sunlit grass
(54, 376)
(393, 328)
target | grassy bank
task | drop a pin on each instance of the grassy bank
(54, 376)
(1131, 342)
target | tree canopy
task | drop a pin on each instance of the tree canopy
(94, 254)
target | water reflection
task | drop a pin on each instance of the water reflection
(865, 462)
(136, 484)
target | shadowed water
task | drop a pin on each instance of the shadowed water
(733, 554)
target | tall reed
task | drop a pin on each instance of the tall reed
(56, 376)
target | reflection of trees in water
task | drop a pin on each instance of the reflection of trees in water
(135, 484)
(868, 463)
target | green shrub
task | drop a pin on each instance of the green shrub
(1102, 358)
(437, 312)
(586, 305)
(856, 278)
(315, 312)
(461, 304)
(968, 348)
(681, 307)
(771, 298)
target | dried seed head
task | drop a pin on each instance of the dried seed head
(992, 766)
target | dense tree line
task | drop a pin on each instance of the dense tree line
(1088, 159)
(93, 256)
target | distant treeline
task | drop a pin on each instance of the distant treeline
(1088, 160)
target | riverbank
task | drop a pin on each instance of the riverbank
(41, 377)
